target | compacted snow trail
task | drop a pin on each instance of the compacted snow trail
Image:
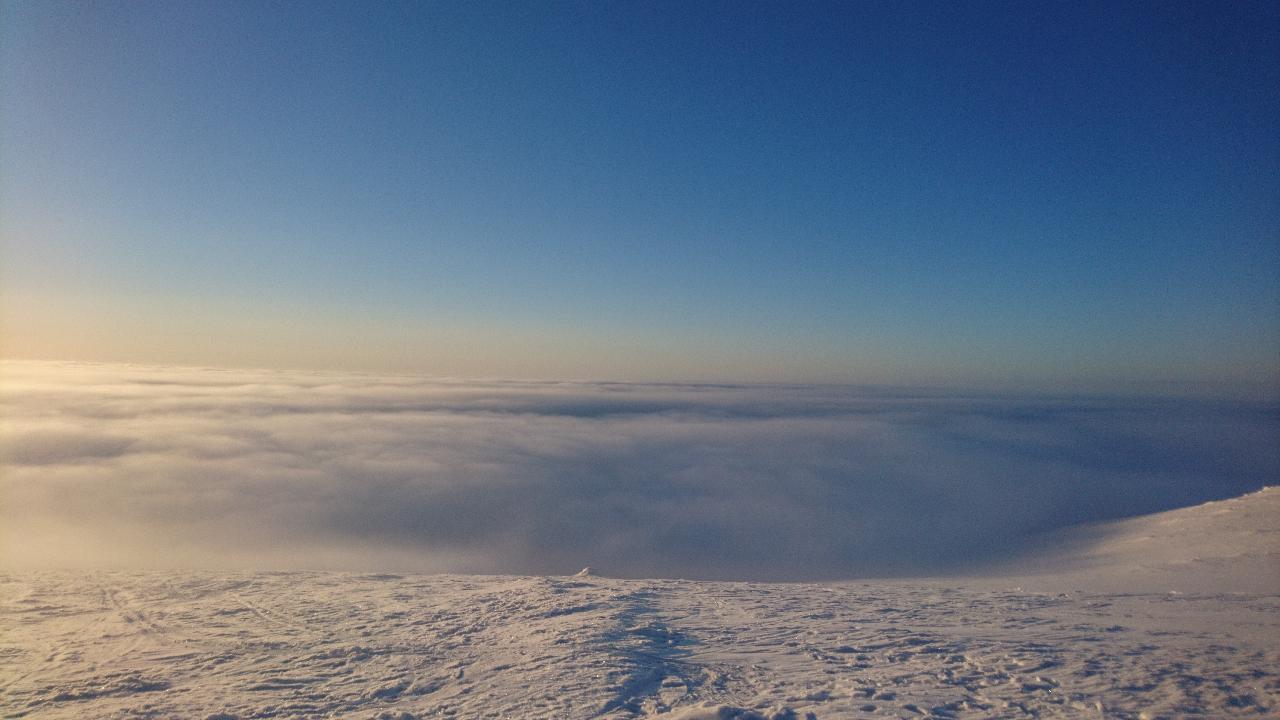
(303, 645)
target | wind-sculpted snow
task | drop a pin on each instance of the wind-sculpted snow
(200, 645)
(234, 645)
(163, 467)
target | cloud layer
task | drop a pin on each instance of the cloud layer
(210, 468)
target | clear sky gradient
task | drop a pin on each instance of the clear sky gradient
(1065, 195)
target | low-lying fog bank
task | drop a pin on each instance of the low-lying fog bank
(166, 467)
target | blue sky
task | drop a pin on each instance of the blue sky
(1010, 195)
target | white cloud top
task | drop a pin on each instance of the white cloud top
(147, 466)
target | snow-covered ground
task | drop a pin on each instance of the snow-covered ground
(1170, 615)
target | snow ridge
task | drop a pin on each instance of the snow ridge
(305, 645)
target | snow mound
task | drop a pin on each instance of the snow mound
(1222, 546)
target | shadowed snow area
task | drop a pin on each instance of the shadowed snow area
(222, 645)
(142, 467)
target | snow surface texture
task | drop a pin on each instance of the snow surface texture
(241, 645)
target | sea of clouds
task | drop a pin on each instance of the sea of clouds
(162, 467)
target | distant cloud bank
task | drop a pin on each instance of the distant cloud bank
(137, 466)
